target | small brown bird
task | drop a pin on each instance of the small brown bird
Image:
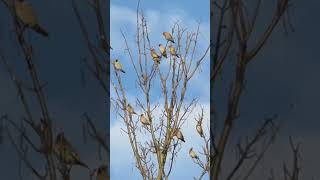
(27, 15)
(144, 79)
(144, 120)
(66, 153)
(173, 51)
(163, 51)
(207, 166)
(155, 56)
(183, 61)
(193, 154)
(118, 65)
(130, 109)
(102, 173)
(199, 129)
(179, 134)
(168, 36)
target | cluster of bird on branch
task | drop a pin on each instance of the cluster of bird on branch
(157, 59)
(154, 55)
(176, 132)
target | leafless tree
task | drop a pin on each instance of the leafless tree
(234, 37)
(154, 144)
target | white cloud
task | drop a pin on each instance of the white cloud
(121, 158)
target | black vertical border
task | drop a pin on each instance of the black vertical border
(108, 82)
(211, 85)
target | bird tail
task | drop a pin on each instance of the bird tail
(177, 55)
(172, 41)
(122, 70)
(183, 140)
(40, 30)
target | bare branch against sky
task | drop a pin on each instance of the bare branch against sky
(154, 126)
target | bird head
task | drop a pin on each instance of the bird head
(190, 150)
(141, 115)
(160, 44)
(117, 60)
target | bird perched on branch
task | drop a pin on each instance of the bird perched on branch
(118, 66)
(168, 36)
(102, 173)
(173, 51)
(163, 51)
(155, 56)
(66, 153)
(27, 15)
(193, 154)
(178, 134)
(199, 128)
(130, 109)
(144, 120)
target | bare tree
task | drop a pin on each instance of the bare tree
(153, 139)
(234, 25)
(33, 137)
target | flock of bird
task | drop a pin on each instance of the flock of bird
(176, 131)
(154, 55)
(66, 153)
(157, 59)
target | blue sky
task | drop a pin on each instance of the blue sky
(123, 18)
